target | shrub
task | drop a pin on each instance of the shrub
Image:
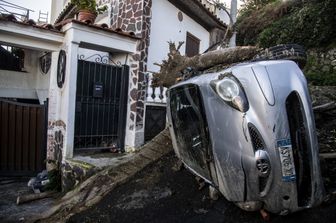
(251, 22)
(318, 71)
(310, 24)
(90, 5)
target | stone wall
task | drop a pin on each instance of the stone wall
(321, 66)
(323, 60)
(127, 15)
(56, 132)
(135, 16)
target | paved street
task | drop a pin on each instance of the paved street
(161, 194)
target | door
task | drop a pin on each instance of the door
(23, 133)
(155, 121)
(101, 105)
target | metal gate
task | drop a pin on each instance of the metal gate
(23, 133)
(101, 105)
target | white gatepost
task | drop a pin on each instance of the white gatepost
(53, 112)
(69, 98)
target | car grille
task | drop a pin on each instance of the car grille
(256, 139)
(300, 146)
(258, 144)
(262, 183)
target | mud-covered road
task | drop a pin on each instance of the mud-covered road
(161, 194)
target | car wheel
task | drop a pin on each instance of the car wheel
(292, 52)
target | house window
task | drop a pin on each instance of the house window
(11, 58)
(192, 45)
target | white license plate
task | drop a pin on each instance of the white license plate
(286, 159)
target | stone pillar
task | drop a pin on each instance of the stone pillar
(135, 16)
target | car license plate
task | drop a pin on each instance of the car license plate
(286, 159)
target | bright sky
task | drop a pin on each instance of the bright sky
(228, 2)
(35, 5)
(45, 6)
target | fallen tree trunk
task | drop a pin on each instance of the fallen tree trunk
(92, 190)
(171, 69)
(32, 197)
(182, 67)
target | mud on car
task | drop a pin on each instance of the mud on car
(249, 131)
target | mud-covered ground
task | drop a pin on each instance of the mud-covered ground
(10, 188)
(161, 194)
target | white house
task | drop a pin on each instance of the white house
(97, 87)
(39, 102)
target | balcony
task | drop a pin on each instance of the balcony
(155, 95)
(20, 13)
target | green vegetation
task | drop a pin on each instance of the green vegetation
(252, 21)
(310, 23)
(90, 5)
(319, 74)
(250, 5)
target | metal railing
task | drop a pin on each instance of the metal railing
(20, 13)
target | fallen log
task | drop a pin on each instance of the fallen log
(32, 197)
(177, 65)
(171, 69)
(92, 190)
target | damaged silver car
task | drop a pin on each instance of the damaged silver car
(249, 131)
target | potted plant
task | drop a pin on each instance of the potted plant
(88, 10)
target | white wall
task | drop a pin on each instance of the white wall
(31, 84)
(165, 26)
(56, 8)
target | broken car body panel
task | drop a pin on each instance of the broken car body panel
(260, 148)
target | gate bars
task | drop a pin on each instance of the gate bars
(101, 104)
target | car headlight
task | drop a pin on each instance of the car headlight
(231, 91)
(227, 89)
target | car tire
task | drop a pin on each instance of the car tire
(292, 52)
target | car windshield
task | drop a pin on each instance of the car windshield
(190, 127)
